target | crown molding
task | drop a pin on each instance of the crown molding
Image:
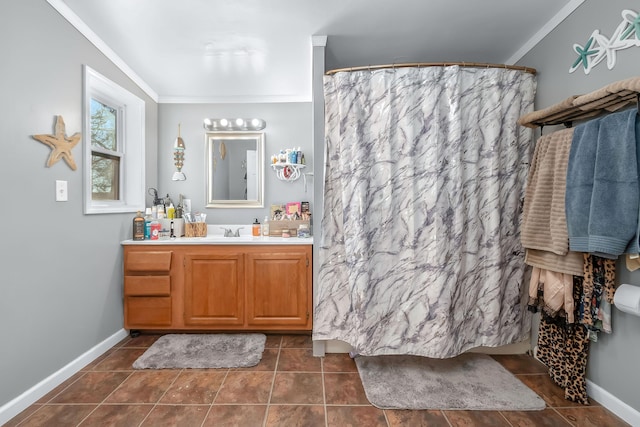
(545, 30)
(61, 7)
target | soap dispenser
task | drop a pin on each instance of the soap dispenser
(265, 226)
(255, 230)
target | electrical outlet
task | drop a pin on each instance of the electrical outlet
(61, 191)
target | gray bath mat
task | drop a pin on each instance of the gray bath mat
(203, 351)
(467, 382)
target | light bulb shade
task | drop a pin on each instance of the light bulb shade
(236, 124)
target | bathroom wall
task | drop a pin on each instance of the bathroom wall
(61, 286)
(613, 360)
(288, 125)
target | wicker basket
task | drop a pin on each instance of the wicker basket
(195, 229)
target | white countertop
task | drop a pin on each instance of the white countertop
(215, 237)
(220, 240)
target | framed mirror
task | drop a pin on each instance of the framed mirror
(235, 169)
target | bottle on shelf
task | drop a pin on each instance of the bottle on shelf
(147, 224)
(138, 226)
(255, 230)
(155, 230)
(171, 211)
(265, 226)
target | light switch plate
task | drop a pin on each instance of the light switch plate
(61, 191)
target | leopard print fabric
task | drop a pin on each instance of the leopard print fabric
(564, 349)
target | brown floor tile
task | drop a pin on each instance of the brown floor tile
(91, 365)
(120, 360)
(297, 341)
(194, 387)
(273, 341)
(141, 341)
(235, 415)
(344, 389)
(143, 387)
(401, 418)
(521, 363)
(547, 417)
(338, 362)
(267, 362)
(53, 393)
(344, 416)
(58, 416)
(301, 360)
(245, 387)
(591, 416)
(117, 416)
(92, 387)
(476, 418)
(296, 416)
(22, 416)
(176, 415)
(295, 387)
(546, 389)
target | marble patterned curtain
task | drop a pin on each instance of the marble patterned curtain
(425, 171)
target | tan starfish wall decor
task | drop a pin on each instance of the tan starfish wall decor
(60, 144)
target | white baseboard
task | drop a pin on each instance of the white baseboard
(22, 402)
(613, 404)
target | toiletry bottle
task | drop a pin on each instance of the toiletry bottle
(147, 224)
(138, 227)
(255, 230)
(155, 229)
(265, 226)
(171, 211)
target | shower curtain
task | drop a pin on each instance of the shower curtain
(425, 171)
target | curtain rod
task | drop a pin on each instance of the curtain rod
(433, 64)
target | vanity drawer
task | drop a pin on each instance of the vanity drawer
(147, 286)
(148, 261)
(143, 312)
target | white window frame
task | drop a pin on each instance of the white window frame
(131, 116)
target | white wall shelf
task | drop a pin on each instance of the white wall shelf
(288, 171)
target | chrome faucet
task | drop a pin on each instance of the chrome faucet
(229, 233)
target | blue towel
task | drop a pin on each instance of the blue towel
(602, 200)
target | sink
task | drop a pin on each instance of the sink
(219, 238)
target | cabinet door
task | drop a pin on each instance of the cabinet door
(214, 289)
(278, 290)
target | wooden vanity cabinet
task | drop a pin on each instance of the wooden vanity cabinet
(147, 289)
(218, 287)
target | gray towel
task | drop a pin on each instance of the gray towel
(602, 196)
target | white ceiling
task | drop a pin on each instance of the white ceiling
(260, 50)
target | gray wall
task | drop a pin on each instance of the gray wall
(288, 125)
(61, 286)
(613, 360)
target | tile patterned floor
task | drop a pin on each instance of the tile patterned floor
(289, 387)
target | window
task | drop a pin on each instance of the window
(114, 144)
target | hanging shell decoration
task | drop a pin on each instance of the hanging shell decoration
(178, 158)
(223, 150)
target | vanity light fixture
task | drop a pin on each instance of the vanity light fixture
(234, 124)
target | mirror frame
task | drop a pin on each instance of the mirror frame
(229, 137)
